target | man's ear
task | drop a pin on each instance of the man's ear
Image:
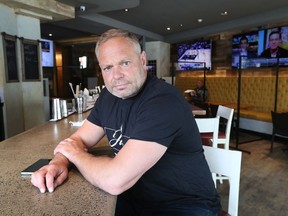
(143, 58)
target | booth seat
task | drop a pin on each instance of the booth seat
(257, 94)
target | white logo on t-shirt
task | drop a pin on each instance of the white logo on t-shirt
(116, 139)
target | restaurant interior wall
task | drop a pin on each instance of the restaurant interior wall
(159, 51)
(23, 100)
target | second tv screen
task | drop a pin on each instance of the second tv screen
(257, 48)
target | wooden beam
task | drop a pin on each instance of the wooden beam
(43, 10)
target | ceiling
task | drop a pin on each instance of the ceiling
(150, 18)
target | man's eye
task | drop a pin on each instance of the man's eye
(107, 68)
(125, 63)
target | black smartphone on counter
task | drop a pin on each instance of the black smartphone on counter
(34, 167)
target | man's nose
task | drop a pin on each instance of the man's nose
(117, 72)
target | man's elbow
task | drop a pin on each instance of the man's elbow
(113, 187)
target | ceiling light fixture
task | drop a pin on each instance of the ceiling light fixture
(224, 13)
(199, 20)
(126, 9)
(50, 35)
(168, 28)
(82, 8)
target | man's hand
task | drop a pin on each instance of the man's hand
(54, 174)
(70, 148)
(50, 176)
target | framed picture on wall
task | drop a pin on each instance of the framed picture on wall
(10, 57)
(30, 59)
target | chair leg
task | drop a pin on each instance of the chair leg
(272, 142)
(221, 178)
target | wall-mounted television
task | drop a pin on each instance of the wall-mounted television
(47, 53)
(264, 48)
(277, 37)
(194, 55)
(244, 45)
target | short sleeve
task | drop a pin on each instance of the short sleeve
(160, 120)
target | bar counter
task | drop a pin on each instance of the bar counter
(17, 195)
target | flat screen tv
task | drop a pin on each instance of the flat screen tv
(259, 44)
(47, 53)
(244, 45)
(194, 55)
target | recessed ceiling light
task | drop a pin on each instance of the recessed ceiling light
(168, 28)
(50, 35)
(126, 9)
(224, 13)
(199, 20)
(181, 25)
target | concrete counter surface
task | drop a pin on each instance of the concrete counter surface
(17, 195)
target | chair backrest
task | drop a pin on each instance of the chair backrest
(226, 162)
(279, 121)
(209, 125)
(227, 114)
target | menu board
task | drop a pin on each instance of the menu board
(30, 56)
(10, 56)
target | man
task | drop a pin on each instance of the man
(243, 48)
(274, 50)
(159, 167)
(200, 93)
(243, 51)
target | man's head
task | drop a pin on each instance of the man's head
(122, 63)
(200, 83)
(274, 39)
(244, 43)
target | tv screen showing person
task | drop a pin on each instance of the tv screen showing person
(245, 46)
(274, 49)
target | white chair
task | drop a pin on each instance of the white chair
(224, 134)
(225, 114)
(209, 126)
(228, 163)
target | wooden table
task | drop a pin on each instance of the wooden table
(19, 197)
(232, 105)
(197, 110)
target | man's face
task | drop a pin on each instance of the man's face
(199, 84)
(244, 44)
(274, 41)
(123, 69)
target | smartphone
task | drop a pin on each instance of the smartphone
(34, 167)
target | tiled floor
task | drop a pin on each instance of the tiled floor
(264, 180)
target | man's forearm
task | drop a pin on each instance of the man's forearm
(60, 159)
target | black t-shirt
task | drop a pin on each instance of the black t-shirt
(159, 113)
